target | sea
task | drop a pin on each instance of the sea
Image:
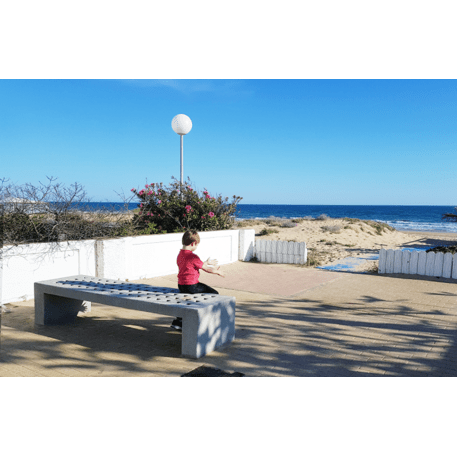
(415, 218)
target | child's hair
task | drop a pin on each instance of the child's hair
(189, 237)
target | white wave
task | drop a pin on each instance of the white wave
(450, 227)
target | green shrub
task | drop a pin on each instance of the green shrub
(165, 209)
(444, 249)
(18, 226)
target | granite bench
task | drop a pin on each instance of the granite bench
(208, 320)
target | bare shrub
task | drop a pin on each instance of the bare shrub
(272, 220)
(53, 212)
(288, 223)
(380, 226)
(331, 228)
(280, 221)
(266, 231)
(322, 217)
(244, 223)
(313, 259)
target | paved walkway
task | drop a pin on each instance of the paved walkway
(291, 321)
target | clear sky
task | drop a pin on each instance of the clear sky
(270, 141)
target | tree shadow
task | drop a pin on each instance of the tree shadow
(102, 340)
(287, 336)
(372, 337)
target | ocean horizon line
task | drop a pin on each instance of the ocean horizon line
(284, 204)
(426, 218)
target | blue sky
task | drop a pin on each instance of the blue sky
(276, 141)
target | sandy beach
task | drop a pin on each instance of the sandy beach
(331, 239)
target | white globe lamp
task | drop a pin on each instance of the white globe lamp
(182, 125)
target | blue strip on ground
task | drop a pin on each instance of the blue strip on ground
(349, 263)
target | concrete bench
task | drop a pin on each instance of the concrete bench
(208, 320)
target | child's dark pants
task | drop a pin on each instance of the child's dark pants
(198, 288)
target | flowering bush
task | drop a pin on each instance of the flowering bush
(167, 210)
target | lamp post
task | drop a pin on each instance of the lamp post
(182, 125)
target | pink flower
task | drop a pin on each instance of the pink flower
(203, 217)
(150, 192)
(132, 190)
(188, 208)
(159, 202)
(141, 205)
(211, 214)
(147, 185)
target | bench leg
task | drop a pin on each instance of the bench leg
(51, 309)
(208, 328)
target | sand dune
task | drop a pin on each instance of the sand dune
(333, 239)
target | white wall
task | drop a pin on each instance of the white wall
(155, 255)
(124, 258)
(23, 265)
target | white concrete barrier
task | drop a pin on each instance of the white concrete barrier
(418, 262)
(123, 258)
(23, 265)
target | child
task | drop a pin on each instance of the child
(189, 265)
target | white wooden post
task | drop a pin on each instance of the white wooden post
(268, 251)
(274, 254)
(405, 262)
(290, 252)
(413, 261)
(297, 253)
(438, 267)
(284, 251)
(390, 261)
(454, 266)
(421, 261)
(382, 261)
(430, 264)
(303, 253)
(447, 265)
(260, 249)
(279, 251)
(397, 261)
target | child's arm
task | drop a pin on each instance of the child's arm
(211, 266)
(209, 263)
(214, 271)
